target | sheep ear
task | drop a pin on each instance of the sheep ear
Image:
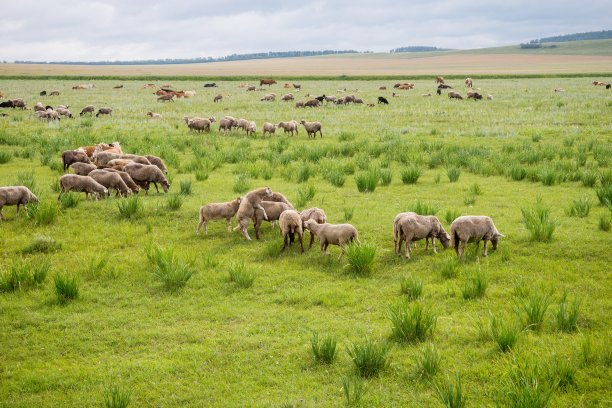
(499, 235)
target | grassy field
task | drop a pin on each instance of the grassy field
(247, 341)
(586, 57)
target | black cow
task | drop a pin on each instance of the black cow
(383, 100)
(320, 98)
(43, 93)
(444, 86)
(7, 104)
(212, 85)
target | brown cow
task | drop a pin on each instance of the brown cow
(468, 82)
(439, 80)
(454, 95)
(474, 95)
(267, 81)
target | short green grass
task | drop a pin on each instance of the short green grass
(206, 341)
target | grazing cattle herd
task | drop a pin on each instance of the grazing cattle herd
(104, 167)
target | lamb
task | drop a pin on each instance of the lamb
(74, 182)
(249, 204)
(126, 179)
(454, 95)
(74, 156)
(272, 210)
(216, 211)
(416, 227)
(471, 228)
(157, 161)
(218, 98)
(88, 109)
(313, 103)
(104, 111)
(312, 128)
(154, 115)
(64, 112)
(251, 128)
(83, 169)
(269, 128)
(288, 97)
(251, 88)
(110, 181)
(490, 97)
(144, 174)
(268, 97)
(334, 234)
(297, 86)
(16, 195)
(316, 214)
(290, 223)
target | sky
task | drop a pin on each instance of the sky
(148, 29)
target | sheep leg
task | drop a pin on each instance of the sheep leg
(285, 238)
(341, 251)
(258, 206)
(17, 214)
(433, 244)
(311, 239)
(408, 249)
(301, 236)
(462, 249)
(229, 224)
(485, 247)
(1, 216)
(399, 245)
(156, 188)
(257, 226)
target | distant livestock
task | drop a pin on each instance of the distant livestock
(470, 228)
(383, 100)
(218, 211)
(454, 95)
(468, 82)
(104, 111)
(439, 80)
(88, 109)
(210, 85)
(218, 98)
(312, 128)
(16, 195)
(266, 81)
(474, 95)
(166, 98)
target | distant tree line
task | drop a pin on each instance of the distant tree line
(591, 35)
(418, 48)
(232, 57)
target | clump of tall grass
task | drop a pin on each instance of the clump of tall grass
(24, 275)
(116, 397)
(241, 184)
(604, 194)
(580, 207)
(526, 386)
(549, 176)
(475, 285)
(453, 174)
(589, 178)
(130, 207)
(174, 202)
(42, 244)
(185, 187)
(369, 357)
(518, 173)
(538, 222)
(604, 223)
(449, 268)
(532, 309)
(384, 176)
(451, 215)
(66, 287)
(69, 200)
(423, 208)
(360, 258)
(427, 362)
(411, 174)
(412, 287)
(469, 199)
(172, 272)
(367, 181)
(5, 157)
(43, 213)
(201, 174)
(411, 322)
(304, 172)
(348, 213)
(323, 348)
(475, 189)
(567, 314)
(336, 177)
(354, 389)
(240, 275)
(305, 194)
(505, 333)
(450, 393)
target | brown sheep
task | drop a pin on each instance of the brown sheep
(439, 80)
(74, 156)
(104, 111)
(312, 128)
(290, 223)
(88, 109)
(468, 82)
(454, 95)
(84, 184)
(218, 98)
(218, 210)
(83, 169)
(143, 175)
(471, 228)
(16, 195)
(313, 103)
(166, 98)
(110, 180)
(249, 204)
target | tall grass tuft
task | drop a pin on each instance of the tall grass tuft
(427, 362)
(589, 178)
(367, 181)
(370, 357)
(354, 389)
(5, 157)
(185, 187)
(26, 178)
(518, 173)
(450, 393)
(42, 244)
(336, 177)
(201, 174)
(304, 172)
(360, 258)
(412, 287)
(525, 387)
(423, 208)
(66, 287)
(385, 176)
(451, 215)
(604, 223)
(323, 348)
(449, 268)
(567, 314)
(604, 194)
(532, 309)
(241, 184)
(130, 207)
(240, 275)
(174, 202)
(475, 189)
(24, 275)
(43, 213)
(411, 323)
(580, 207)
(116, 397)
(538, 222)
(172, 272)
(305, 194)
(410, 175)
(69, 200)
(453, 174)
(348, 213)
(561, 372)
(504, 333)
(549, 177)
(475, 285)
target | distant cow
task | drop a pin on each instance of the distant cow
(468, 82)
(117, 86)
(166, 98)
(383, 100)
(7, 104)
(43, 93)
(210, 85)
(439, 80)
(444, 86)
(265, 81)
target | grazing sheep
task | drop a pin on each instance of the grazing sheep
(334, 234)
(269, 128)
(144, 175)
(490, 97)
(251, 128)
(16, 195)
(444, 86)
(114, 147)
(189, 94)
(559, 90)
(83, 169)
(117, 86)
(331, 99)
(64, 112)
(288, 97)
(42, 93)
(290, 224)
(166, 98)
(251, 88)
(313, 103)
(199, 124)
(287, 86)
(154, 115)
(126, 179)
(88, 109)
(320, 98)
(358, 101)
(272, 210)
(6, 104)
(249, 204)
(135, 158)
(454, 95)
(19, 103)
(415, 227)
(341, 101)
(101, 158)
(49, 115)
(383, 100)
(299, 104)
(74, 156)
(86, 184)
(104, 111)
(268, 97)
(316, 214)
(290, 126)
(312, 128)
(218, 98)
(472, 228)
(427, 94)
(474, 95)
(54, 93)
(226, 124)
(157, 161)
(39, 107)
(110, 181)
(348, 99)
(382, 88)
(119, 164)
(297, 86)
(396, 231)
(210, 85)
(217, 211)
(242, 124)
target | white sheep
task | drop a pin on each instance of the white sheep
(273, 211)
(86, 184)
(248, 205)
(16, 195)
(217, 211)
(251, 128)
(473, 228)
(334, 234)
(82, 169)
(269, 128)
(290, 127)
(312, 128)
(416, 227)
(290, 223)
(316, 214)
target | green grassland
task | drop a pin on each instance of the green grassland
(213, 343)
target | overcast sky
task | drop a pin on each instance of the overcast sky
(148, 29)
